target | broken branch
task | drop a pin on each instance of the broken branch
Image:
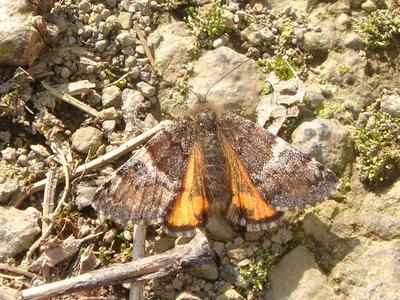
(194, 255)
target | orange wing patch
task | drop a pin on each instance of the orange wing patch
(248, 204)
(191, 204)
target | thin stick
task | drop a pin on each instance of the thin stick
(139, 239)
(194, 255)
(16, 270)
(118, 80)
(72, 100)
(60, 203)
(48, 198)
(93, 165)
(143, 42)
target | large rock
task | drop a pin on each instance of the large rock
(327, 141)
(297, 276)
(171, 42)
(10, 183)
(18, 230)
(391, 104)
(87, 139)
(234, 91)
(371, 271)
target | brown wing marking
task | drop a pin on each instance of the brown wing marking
(248, 206)
(191, 204)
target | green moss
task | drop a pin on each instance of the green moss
(379, 150)
(330, 109)
(380, 27)
(282, 68)
(256, 273)
(206, 23)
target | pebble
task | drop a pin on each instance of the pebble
(369, 6)
(126, 39)
(146, 89)
(9, 154)
(111, 96)
(40, 150)
(125, 20)
(86, 139)
(391, 105)
(108, 126)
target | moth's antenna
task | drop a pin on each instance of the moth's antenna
(228, 73)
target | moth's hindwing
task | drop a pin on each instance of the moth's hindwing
(285, 177)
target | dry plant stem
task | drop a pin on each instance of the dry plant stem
(143, 42)
(139, 239)
(118, 80)
(19, 271)
(194, 255)
(60, 204)
(72, 100)
(93, 165)
(48, 198)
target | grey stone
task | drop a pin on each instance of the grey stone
(111, 96)
(132, 102)
(125, 20)
(234, 91)
(112, 3)
(239, 254)
(18, 230)
(369, 6)
(229, 273)
(84, 195)
(171, 42)
(126, 39)
(313, 98)
(9, 181)
(40, 150)
(86, 139)
(220, 229)
(146, 89)
(108, 126)
(391, 105)
(230, 294)
(162, 244)
(177, 284)
(187, 296)
(9, 154)
(100, 46)
(327, 141)
(297, 276)
(354, 41)
(371, 271)
(209, 272)
(319, 41)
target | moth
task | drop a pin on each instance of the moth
(212, 164)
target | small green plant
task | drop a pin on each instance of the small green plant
(379, 150)
(287, 32)
(330, 109)
(282, 67)
(257, 271)
(380, 27)
(206, 23)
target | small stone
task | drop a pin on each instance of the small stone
(313, 98)
(130, 61)
(220, 229)
(109, 236)
(18, 230)
(187, 296)
(84, 195)
(9, 154)
(391, 104)
(128, 235)
(219, 248)
(65, 73)
(162, 244)
(108, 126)
(146, 89)
(285, 235)
(125, 20)
(230, 294)
(177, 284)
(23, 160)
(239, 254)
(229, 273)
(126, 39)
(266, 34)
(369, 6)
(221, 41)
(112, 3)
(238, 242)
(353, 41)
(132, 102)
(86, 139)
(209, 272)
(109, 113)
(253, 236)
(100, 46)
(111, 96)
(40, 150)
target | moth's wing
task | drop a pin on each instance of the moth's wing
(284, 177)
(148, 187)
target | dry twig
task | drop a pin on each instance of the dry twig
(93, 165)
(143, 42)
(139, 239)
(194, 255)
